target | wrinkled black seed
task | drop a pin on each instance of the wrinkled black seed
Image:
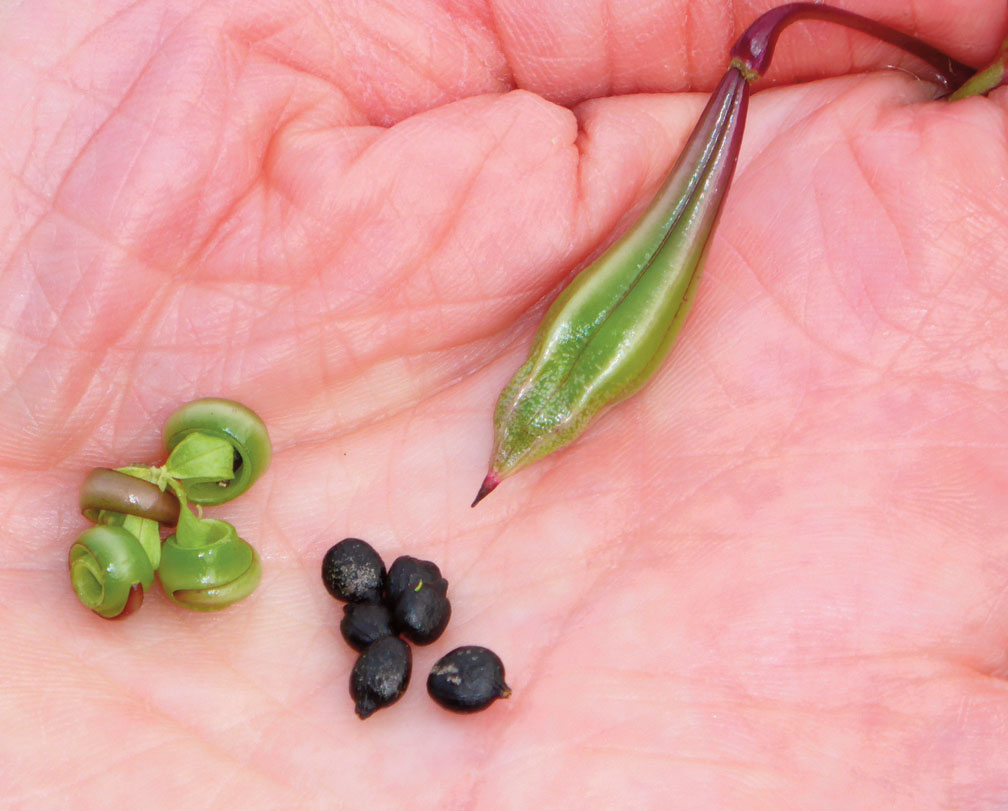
(352, 571)
(422, 614)
(406, 573)
(468, 679)
(380, 675)
(365, 623)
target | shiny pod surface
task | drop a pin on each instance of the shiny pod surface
(117, 492)
(109, 571)
(213, 576)
(228, 420)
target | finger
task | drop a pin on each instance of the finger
(598, 48)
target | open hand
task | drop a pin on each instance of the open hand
(774, 577)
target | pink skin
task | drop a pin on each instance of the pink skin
(777, 573)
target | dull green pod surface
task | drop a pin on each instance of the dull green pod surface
(610, 329)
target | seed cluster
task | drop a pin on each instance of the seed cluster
(408, 600)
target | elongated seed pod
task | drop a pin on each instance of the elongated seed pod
(610, 329)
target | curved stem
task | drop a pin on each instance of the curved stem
(754, 49)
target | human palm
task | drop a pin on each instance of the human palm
(774, 577)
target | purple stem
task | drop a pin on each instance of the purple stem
(755, 47)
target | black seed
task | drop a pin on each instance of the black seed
(365, 623)
(422, 613)
(352, 571)
(380, 675)
(468, 679)
(406, 573)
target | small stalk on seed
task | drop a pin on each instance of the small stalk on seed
(610, 329)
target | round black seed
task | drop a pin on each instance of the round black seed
(406, 573)
(380, 675)
(364, 623)
(468, 679)
(352, 571)
(422, 614)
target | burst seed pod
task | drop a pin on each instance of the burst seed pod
(112, 491)
(987, 79)
(235, 424)
(206, 566)
(110, 571)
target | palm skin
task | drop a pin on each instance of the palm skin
(775, 578)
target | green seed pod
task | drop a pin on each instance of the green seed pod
(205, 566)
(110, 571)
(609, 330)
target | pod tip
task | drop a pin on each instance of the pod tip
(489, 483)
